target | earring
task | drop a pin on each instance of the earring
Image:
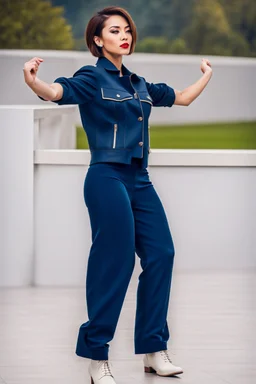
(100, 45)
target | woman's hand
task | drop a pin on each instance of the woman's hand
(189, 94)
(46, 91)
(30, 69)
(206, 66)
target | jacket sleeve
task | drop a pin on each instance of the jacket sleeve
(162, 94)
(78, 89)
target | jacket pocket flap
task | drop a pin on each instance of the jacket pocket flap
(115, 94)
(144, 96)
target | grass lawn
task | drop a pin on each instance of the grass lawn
(195, 136)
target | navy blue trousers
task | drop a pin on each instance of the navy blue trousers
(126, 216)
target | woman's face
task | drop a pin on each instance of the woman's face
(115, 33)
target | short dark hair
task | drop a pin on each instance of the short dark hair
(96, 24)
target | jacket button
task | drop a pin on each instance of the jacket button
(117, 95)
(141, 143)
(140, 118)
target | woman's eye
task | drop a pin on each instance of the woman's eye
(116, 31)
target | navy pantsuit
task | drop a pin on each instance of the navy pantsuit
(126, 216)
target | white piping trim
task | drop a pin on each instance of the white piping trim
(146, 101)
(109, 98)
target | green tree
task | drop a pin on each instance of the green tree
(221, 27)
(152, 44)
(242, 18)
(179, 46)
(210, 31)
(33, 24)
(181, 16)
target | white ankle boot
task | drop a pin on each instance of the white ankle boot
(100, 372)
(160, 363)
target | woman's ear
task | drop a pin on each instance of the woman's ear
(97, 42)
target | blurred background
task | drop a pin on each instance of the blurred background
(212, 27)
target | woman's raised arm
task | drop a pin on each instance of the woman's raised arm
(78, 89)
(49, 92)
(190, 93)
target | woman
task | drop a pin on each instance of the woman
(126, 214)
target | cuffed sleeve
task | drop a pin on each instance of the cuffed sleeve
(80, 88)
(162, 94)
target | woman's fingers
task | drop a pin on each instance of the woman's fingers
(207, 62)
(36, 60)
(205, 65)
(30, 69)
(33, 64)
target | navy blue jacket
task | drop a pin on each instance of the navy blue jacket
(114, 110)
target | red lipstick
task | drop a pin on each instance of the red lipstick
(125, 45)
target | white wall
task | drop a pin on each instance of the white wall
(17, 194)
(229, 96)
(22, 130)
(45, 236)
(209, 199)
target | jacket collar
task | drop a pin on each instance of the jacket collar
(109, 66)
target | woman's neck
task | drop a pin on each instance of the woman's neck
(116, 60)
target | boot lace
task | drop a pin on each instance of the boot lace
(166, 356)
(105, 368)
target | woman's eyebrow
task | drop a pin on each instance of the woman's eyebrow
(117, 26)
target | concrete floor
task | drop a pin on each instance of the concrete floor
(211, 320)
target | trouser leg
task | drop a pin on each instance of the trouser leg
(111, 260)
(155, 248)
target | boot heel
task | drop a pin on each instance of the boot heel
(149, 370)
(92, 382)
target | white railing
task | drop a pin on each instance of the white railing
(24, 129)
(208, 195)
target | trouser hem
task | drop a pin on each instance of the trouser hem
(150, 348)
(94, 354)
